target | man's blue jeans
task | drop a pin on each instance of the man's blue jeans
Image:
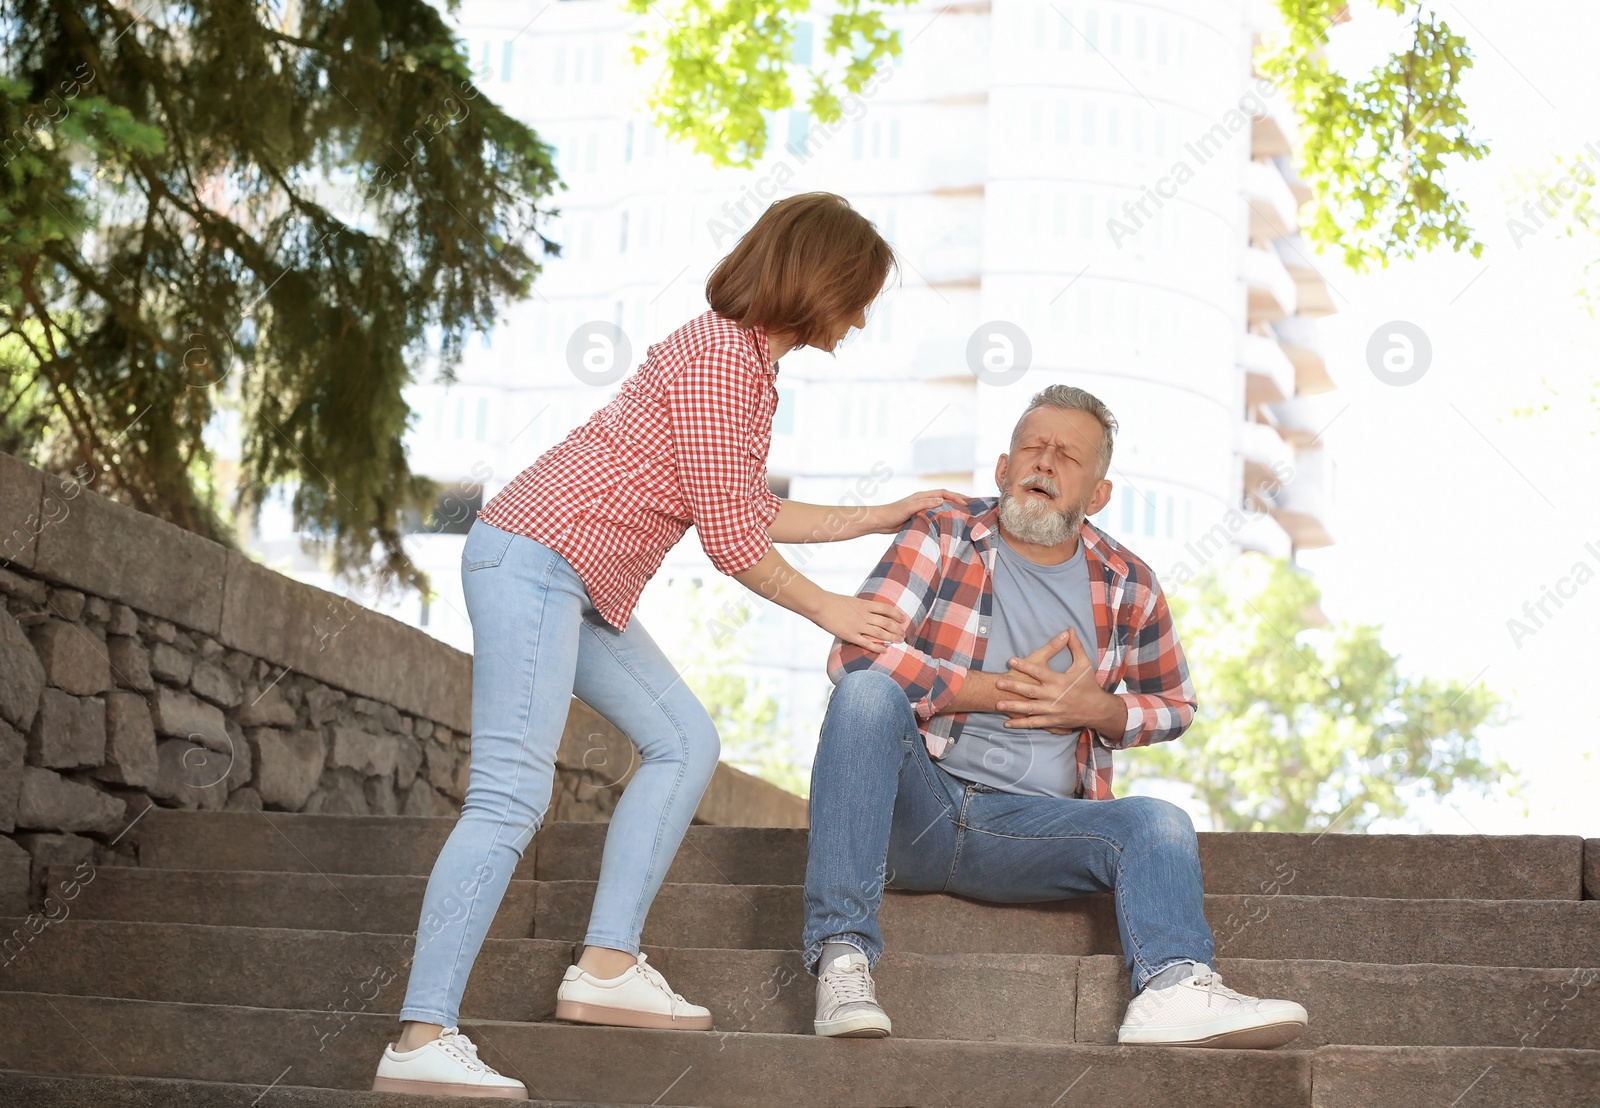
(536, 641)
(884, 814)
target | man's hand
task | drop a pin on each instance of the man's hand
(1057, 702)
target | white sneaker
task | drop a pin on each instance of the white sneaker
(847, 1002)
(639, 997)
(448, 1066)
(1202, 1011)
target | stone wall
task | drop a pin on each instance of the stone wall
(141, 664)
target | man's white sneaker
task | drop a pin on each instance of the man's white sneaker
(639, 997)
(847, 1003)
(1202, 1011)
(448, 1066)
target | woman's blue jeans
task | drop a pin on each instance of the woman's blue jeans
(884, 814)
(537, 641)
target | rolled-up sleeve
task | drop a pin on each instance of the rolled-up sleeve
(712, 405)
(1160, 695)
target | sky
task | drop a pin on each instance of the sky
(1453, 510)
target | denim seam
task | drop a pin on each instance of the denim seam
(544, 603)
(961, 839)
(640, 909)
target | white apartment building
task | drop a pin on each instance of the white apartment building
(1110, 180)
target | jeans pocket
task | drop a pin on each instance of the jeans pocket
(486, 545)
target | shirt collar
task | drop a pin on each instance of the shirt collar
(764, 348)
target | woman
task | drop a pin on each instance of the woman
(552, 569)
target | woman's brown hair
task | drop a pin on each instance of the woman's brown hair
(810, 263)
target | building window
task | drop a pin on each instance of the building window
(1127, 509)
(627, 142)
(799, 142)
(1088, 125)
(622, 244)
(801, 54)
(483, 419)
(1150, 516)
(1172, 511)
(505, 61)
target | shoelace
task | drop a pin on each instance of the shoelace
(1213, 986)
(851, 984)
(463, 1049)
(653, 975)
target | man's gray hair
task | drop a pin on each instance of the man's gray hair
(1074, 399)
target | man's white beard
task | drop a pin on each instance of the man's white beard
(1035, 521)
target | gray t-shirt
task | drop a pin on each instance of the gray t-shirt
(1032, 604)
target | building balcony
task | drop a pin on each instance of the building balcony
(1273, 208)
(1298, 188)
(1262, 533)
(1303, 346)
(1311, 290)
(1302, 419)
(1269, 375)
(1270, 289)
(1304, 501)
(1274, 134)
(1265, 456)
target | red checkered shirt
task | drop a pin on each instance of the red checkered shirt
(684, 443)
(940, 572)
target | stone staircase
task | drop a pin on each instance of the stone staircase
(258, 958)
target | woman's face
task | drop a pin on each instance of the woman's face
(859, 320)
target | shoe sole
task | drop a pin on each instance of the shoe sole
(1255, 1037)
(576, 1012)
(864, 1026)
(444, 1088)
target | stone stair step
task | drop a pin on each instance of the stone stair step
(1425, 867)
(1460, 1077)
(768, 917)
(26, 1090)
(319, 901)
(1363, 1004)
(260, 1046)
(1015, 998)
(1347, 929)
(1428, 867)
(1024, 998)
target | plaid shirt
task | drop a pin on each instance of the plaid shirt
(940, 572)
(684, 443)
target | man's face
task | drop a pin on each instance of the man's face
(1049, 482)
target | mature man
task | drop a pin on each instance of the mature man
(975, 756)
